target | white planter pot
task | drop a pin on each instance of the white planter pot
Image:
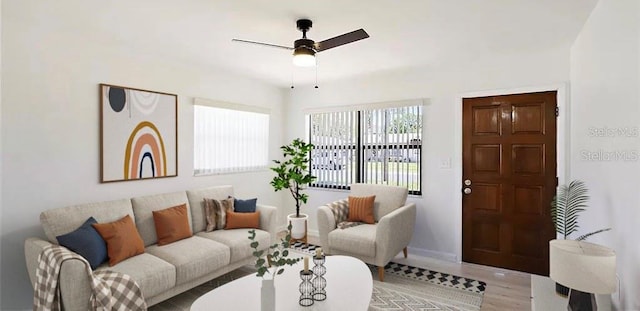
(298, 225)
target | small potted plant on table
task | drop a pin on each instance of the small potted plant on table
(270, 262)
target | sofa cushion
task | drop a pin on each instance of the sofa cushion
(87, 242)
(361, 209)
(144, 206)
(152, 274)
(238, 241)
(244, 206)
(122, 238)
(172, 224)
(388, 198)
(359, 240)
(196, 201)
(193, 257)
(63, 220)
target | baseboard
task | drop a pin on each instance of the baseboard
(281, 228)
(313, 233)
(433, 254)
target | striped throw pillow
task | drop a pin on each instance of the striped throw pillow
(215, 212)
(361, 209)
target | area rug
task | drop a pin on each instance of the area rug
(405, 288)
(414, 288)
(402, 293)
(422, 274)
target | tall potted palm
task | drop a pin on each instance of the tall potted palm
(566, 206)
(293, 174)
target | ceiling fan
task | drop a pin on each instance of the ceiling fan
(304, 49)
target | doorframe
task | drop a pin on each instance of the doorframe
(562, 142)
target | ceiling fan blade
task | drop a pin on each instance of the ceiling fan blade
(341, 40)
(261, 43)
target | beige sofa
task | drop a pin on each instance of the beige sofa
(162, 271)
(376, 243)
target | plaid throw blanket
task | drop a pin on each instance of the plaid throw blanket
(110, 290)
(340, 210)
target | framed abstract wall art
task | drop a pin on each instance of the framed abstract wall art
(138, 134)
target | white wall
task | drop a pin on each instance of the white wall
(438, 224)
(605, 78)
(1, 274)
(50, 123)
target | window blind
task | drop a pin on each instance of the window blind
(228, 140)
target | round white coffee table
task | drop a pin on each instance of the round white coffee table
(349, 287)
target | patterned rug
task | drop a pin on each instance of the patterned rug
(413, 288)
(405, 288)
(422, 274)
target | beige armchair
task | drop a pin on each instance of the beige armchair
(376, 243)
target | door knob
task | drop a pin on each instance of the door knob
(467, 182)
(467, 190)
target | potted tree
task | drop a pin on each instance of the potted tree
(566, 206)
(293, 174)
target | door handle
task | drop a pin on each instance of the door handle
(466, 191)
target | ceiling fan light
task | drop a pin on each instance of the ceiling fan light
(304, 57)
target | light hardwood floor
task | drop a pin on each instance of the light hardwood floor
(506, 289)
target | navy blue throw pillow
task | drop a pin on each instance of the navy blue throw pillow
(244, 206)
(87, 242)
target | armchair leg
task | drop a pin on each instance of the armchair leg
(404, 251)
(381, 274)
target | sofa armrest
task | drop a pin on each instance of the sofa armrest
(74, 280)
(326, 224)
(32, 249)
(268, 219)
(394, 232)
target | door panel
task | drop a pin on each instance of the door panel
(528, 159)
(486, 158)
(509, 154)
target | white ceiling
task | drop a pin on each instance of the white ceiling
(403, 33)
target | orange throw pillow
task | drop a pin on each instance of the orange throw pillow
(243, 220)
(361, 209)
(123, 239)
(172, 224)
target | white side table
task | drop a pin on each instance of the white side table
(544, 297)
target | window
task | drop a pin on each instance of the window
(229, 138)
(377, 146)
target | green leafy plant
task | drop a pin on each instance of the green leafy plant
(276, 255)
(293, 172)
(566, 206)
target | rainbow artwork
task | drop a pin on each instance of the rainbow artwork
(138, 133)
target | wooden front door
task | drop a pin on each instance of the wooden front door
(509, 179)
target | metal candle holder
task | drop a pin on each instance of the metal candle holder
(306, 288)
(319, 282)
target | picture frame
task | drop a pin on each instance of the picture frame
(138, 134)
